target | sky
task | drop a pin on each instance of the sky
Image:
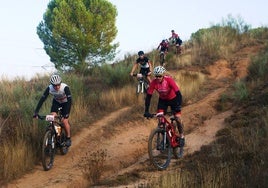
(141, 25)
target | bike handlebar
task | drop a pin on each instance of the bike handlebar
(160, 114)
(48, 117)
(136, 74)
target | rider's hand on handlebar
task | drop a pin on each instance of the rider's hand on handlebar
(131, 74)
(35, 115)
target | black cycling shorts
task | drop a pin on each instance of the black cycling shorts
(164, 104)
(55, 105)
(145, 71)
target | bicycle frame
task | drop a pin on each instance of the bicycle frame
(169, 129)
(162, 141)
(54, 138)
(55, 125)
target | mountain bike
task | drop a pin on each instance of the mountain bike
(53, 140)
(142, 84)
(163, 140)
(162, 58)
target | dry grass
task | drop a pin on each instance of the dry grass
(93, 98)
(93, 166)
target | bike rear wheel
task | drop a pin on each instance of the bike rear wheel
(48, 150)
(159, 149)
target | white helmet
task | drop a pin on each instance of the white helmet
(55, 79)
(159, 71)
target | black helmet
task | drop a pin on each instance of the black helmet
(140, 53)
(172, 31)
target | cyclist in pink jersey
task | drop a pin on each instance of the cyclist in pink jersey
(175, 38)
(169, 95)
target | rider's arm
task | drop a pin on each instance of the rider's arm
(147, 102)
(179, 98)
(42, 100)
(69, 99)
(150, 66)
(134, 68)
(158, 46)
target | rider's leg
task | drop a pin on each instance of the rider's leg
(177, 109)
(67, 127)
(180, 128)
(149, 78)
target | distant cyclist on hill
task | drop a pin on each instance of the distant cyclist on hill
(175, 39)
(145, 65)
(163, 46)
(61, 98)
(169, 95)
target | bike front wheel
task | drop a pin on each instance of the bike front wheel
(138, 88)
(159, 149)
(48, 150)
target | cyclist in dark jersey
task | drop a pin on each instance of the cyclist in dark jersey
(169, 95)
(145, 65)
(61, 98)
(163, 46)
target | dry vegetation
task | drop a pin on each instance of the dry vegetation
(238, 158)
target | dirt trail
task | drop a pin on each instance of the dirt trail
(66, 170)
(127, 153)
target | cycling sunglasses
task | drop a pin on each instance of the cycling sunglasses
(55, 85)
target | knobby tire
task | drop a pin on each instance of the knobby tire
(48, 150)
(159, 154)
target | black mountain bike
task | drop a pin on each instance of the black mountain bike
(163, 140)
(54, 139)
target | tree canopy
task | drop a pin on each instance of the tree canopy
(79, 34)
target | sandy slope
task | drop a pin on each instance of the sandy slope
(127, 152)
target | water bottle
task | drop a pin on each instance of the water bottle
(58, 129)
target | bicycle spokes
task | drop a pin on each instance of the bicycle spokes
(159, 149)
(48, 150)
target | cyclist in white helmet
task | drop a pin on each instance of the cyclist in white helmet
(169, 95)
(61, 98)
